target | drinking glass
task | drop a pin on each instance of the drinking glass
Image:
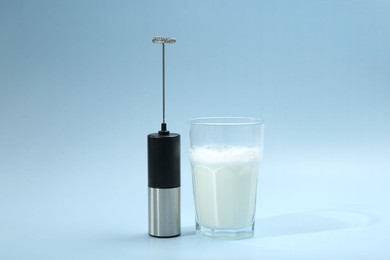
(225, 156)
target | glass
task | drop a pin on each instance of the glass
(225, 157)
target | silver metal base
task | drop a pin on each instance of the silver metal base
(164, 212)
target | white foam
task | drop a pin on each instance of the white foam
(215, 155)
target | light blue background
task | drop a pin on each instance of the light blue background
(80, 90)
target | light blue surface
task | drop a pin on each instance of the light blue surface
(80, 90)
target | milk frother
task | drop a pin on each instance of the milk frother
(164, 171)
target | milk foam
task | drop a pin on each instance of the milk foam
(216, 155)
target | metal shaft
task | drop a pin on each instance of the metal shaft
(163, 40)
(163, 81)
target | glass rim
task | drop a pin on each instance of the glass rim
(225, 121)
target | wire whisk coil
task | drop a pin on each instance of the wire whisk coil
(159, 39)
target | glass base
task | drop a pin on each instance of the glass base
(225, 234)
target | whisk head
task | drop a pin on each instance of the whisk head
(159, 39)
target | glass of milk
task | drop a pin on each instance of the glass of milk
(225, 156)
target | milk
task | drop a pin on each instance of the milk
(225, 184)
